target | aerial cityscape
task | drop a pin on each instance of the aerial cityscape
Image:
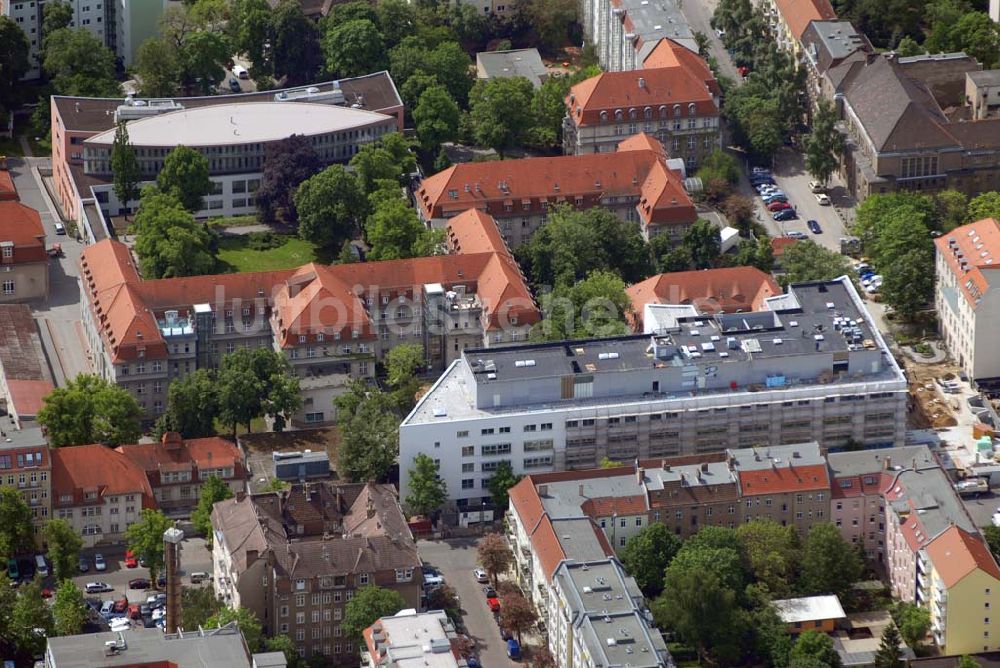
(555, 333)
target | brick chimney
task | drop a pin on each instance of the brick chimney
(172, 440)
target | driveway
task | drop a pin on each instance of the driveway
(456, 558)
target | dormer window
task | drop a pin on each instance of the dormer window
(8, 249)
(604, 117)
(677, 110)
(619, 115)
(691, 109)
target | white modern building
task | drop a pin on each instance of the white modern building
(811, 366)
(625, 32)
(411, 639)
(966, 299)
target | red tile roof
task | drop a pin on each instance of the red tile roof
(780, 244)
(799, 13)
(8, 191)
(98, 468)
(526, 503)
(174, 453)
(615, 505)
(725, 290)
(956, 553)
(668, 53)
(27, 395)
(784, 479)
(529, 186)
(977, 245)
(22, 226)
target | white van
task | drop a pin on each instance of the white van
(241, 72)
(41, 567)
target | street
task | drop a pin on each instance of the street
(58, 317)
(699, 16)
(456, 560)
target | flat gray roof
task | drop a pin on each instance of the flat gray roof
(217, 647)
(525, 63)
(860, 462)
(780, 456)
(985, 77)
(598, 586)
(624, 639)
(839, 38)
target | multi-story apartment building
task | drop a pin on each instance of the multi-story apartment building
(295, 558)
(625, 32)
(677, 104)
(826, 44)
(177, 468)
(811, 366)
(786, 484)
(25, 378)
(25, 273)
(789, 20)
(411, 638)
(230, 130)
(99, 491)
(26, 465)
(635, 182)
(333, 323)
(968, 309)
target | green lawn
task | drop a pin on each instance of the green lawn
(235, 256)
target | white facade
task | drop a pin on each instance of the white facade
(27, 15)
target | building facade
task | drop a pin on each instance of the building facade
(410, 637)
(26, 465)
(625, 32)
(789, 20)
(25, 263)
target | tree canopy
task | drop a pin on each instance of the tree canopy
(647, 554)
(427, 490)
(369, 433)
(185, 176)
(16, 532)
(369, 604)
(69, 611)
(90, 410)
(287, 163)
(494, 555)
(329, 206)
(500, 483)
(192, 405)
(79, 64)
(500, 112)
(830, 565)
(124, 167)
(145, 537)
(212, 491)
(808, 261)
(257, 383)
(64, 548)
(168, 240)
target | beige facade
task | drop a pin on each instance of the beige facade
(24, 282)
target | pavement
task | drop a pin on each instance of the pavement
(58, 317)
(456, 558)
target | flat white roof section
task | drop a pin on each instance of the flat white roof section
(809, 609)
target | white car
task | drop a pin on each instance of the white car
(119, 624)
(874, 287)
(98, 587)
(822, 199)
(99, 563)
(481, 575)
(816, 187)
(797, 235)
(159, 613)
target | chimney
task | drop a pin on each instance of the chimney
(887, 464)
(581, 490)
(172, 538)
(172, 440)
(371, 508)
(640, 474)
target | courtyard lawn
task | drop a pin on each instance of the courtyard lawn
(236, 256)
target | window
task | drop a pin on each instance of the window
(363, 578)
(468, 483)
(468, 450)
(8, 287)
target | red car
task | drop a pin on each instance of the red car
(46, 593)
(494, 604)
(778, 206)
(130, 560)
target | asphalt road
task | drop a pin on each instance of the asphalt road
(456, 560)
(699, 14)
(59, 316)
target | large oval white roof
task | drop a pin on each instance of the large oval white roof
(243, 123)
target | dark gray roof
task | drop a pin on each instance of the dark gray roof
(861, 462)
(525, 63)
(216, 647)
(829, 42)
(985, 77)
(20, 346)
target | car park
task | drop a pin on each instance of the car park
(822, 199)
(785, 214)
(481, 575)
(814, 227)
(778, 206)
(99, 563)
(138, 583)
(777, 197)
(97, 587)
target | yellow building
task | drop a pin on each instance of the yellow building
(960, 582)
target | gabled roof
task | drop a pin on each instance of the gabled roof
(956, 553)
(783, 479)
(22, 226)
(98, 468)
(205, 453)
(725, 290)
(8, 191)
(668, 53)
(798, 13)
(972, 252)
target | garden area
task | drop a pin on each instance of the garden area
(265, 251)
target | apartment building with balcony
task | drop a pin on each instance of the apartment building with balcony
(333, 323)
(296, 557)
(810, 366)
(99, 491)
(637, 183)
(789, 20)
(677, 103)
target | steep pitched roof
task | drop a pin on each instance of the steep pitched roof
(108, 472)
(956, 553)
(8, 191)
(972, 252)
(668, 53)
(783, 479)
(22, 226)
(798, 13)
(725, 290)
(205, 453)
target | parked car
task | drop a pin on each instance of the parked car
(60, 228)
(138, 583)
(481, 575)
(823, 199)
(158, 614)
(46, 593)
(797, 235)
(816, 187)
(433, 581)
(161, 580)
(785, 214)
(134, 611)
(13, 572)
(107, 609)
(120, 624)
(513, 649)
(490, 592)
(814, 227)
(234, 85)
(778, 206)
(121, 606)
(494, 604)
(760, 170)
(97, 587)
(870, 278)
(761, 181)
(142, 561)
(130, 560)
(99, 563)
(84, 565)
(775, 197)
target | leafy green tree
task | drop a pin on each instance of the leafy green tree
(69, 610)
(908, 282)
(415, 86)
(816, 646)
(517, 615)
(725, 563)
(719, 166)
(992, 535)
(13, 61)
(351, 11)
(250, 30)
(396, 19)
(370, 603)
(185, 176)
(427, 490)
(212, 491)
(500, 112)
(8, 597)
(808, 261)
(889, 654)
(168, 240)
(597, 306)
(825, 143)
(966, 661)
(951, 209)
(772, 553)
(124, 167)
(16, 533)
(647, 554)
(436, 116)
(392, 229)
(873, 213)
(830, 565)
(772, 642)
(549, 19)
(192, 405)
(198, 604)
(257, 383)
(703, 242)
(287, 163)
(494, 555)
(79, 64)
(914, 623)
(158, 68)
(402, 364)
(64, 548)
(984, 205)
(389, 159)
(145, 537)
(369, 433)
(90, 410)
(909, 47)
(284, 644)
(329, 206)
(29, 613)
(500, 483)
(298, 55)
(245, 619)
(55, 16)
(353, 48)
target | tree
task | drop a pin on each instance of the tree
(297, 50)
(427, 490)
(55, 16)
(725, 563)
(16, 532)
(739, 211)
(888, 654)
(436, 117)
(772, 552)
(69, 609)
(257, 383)
(370, 603)
(914, 623)
(984, 205)
(168, 240)
(158, 68)
(392, 229)
(329, 205)
(79, 64)
(388, 159)
(702, 612)
(873, 213)
(719, 166)
(444, 598)
(703, 242)
(64, 548)
(192, 405)
(500, 112)
(14, 63)
(8, 597)
(245, 619)
(145, 537)
(594, 307)
(402, 363)
(825, 143)
(952, 208)
(966, 661)
(185, 176)
(517, 615)
(549, 19)
(353, 48)
(816, 646)
(287, 163)
(647, 554)
(500, 483)
(369, 433)
(494, 555)
(397, 19)
(212, 491)
(909, 47)
(283, 643)
(830, 565)
(90, 410)
(908, 282)
(250, 29)
(124, 167)
(808, 261)
(30, 613)
(992, 535)
(198, 605)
